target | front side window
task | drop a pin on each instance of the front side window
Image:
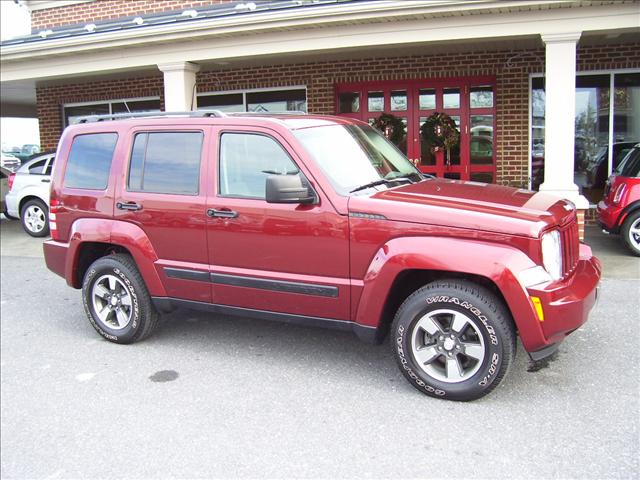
(166, 162)
(354, 155)
(89, 161)
(246, 159)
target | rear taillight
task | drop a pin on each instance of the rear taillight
(53, 226)
(619, 193)
(12, 177)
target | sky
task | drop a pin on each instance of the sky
(15, 132)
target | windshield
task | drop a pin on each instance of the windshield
(354, 155)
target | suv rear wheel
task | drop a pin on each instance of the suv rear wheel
(116, 300)
(631, 232)
(35, 218)
(454, 340)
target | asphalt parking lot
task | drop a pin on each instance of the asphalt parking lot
(236, 398)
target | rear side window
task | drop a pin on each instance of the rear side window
(36, 168)
(166, 162)
(90, 161)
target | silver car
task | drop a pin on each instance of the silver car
(28, 198)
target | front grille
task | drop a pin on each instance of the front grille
(570, 247)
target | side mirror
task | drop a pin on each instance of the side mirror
(289, 189)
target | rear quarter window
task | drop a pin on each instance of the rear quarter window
(89, 161)
(36, 168)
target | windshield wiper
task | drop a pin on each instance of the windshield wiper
(382, 181)
(375, 183)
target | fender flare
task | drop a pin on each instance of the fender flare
(118, 233)
(496, 262)
(632, 207)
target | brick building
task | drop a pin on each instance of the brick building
(545, 94)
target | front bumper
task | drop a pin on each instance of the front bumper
(566, 304)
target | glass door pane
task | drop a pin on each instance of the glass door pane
(626, 115)
(375, 101)
(398, 100)
(592, 135)
(451, 98)
(537, 132)
(427, 99)
(481, 141)
(349, 102)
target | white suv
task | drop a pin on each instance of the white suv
(28, 197)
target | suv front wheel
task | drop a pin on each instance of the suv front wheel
(116, 300)
(453, 340)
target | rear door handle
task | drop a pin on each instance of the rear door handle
(133, 206)
(45, 180)
(224, 213)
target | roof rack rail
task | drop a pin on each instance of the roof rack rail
(283, 112)
(118, 116)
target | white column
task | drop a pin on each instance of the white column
(179, 86)
(560, 107)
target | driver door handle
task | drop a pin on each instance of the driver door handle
(222, 213)
(132, 206)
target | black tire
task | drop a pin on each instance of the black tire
(488, 328)
(32, 210)
(629, 233)
(142, 315)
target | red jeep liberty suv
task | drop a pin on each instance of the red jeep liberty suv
(314, 220)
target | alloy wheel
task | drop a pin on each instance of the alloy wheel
(35, 219)
(447, 345)
(111, 302)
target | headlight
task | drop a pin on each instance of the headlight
(552, 254)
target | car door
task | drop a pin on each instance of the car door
(164, 194)
(285, 258)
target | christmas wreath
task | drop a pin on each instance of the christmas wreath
(392, 127)
(440, 131)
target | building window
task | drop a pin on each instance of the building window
(260, 101)
(72, 112)
(600, 143)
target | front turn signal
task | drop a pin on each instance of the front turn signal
(537, 304)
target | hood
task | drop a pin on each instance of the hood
(470, 205)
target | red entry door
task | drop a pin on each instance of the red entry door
(469, 101)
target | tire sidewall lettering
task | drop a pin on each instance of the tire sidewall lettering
(405, 365)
